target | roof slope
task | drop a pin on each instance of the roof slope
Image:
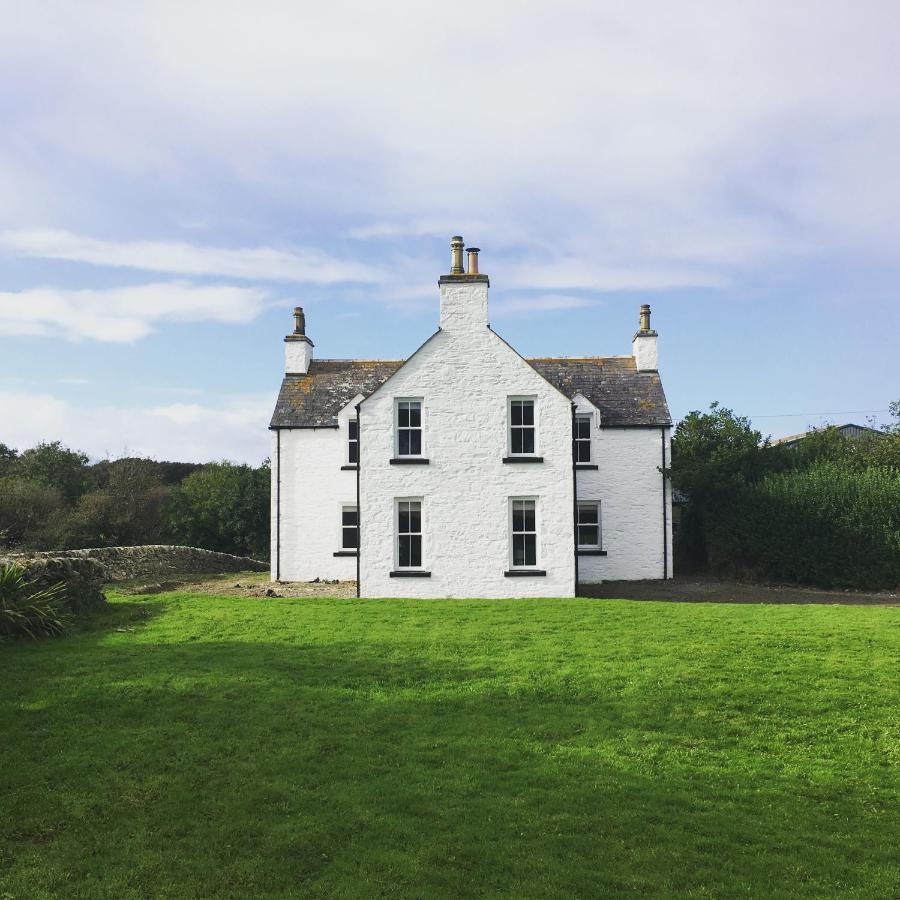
(624, 396)
(315, 399)
(613, 384)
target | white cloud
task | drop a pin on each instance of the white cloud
(234, 427)
(307, 265)
(125, 314)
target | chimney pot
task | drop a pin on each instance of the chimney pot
(472, 260)
(645, 317)
(299, 320)
(456, 252)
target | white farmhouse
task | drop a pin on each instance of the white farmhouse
(468, 470)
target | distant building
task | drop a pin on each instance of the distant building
(849, 430)
(467, 470)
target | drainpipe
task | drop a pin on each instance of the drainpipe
(358, 507)
(665, 510)
(574, 500)
(278, 505)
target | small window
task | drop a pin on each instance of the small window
(583, 439)
(589, 536)
(521, 426)
(409, 428)
(353, 442)
(409, 534)
(524, 533)
(349, 528)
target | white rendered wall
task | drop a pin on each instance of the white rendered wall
(629, 486)
(645, 350)
(313, 490)
(464, 375)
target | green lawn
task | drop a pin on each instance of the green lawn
(194, 746)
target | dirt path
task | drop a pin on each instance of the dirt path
(710, 590)
(682, 589)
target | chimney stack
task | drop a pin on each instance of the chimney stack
(643, 344)
(298, 348)
(464, 294)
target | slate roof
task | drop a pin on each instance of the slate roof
(613, 384)
(623, 395)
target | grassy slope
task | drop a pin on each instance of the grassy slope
(244, 747)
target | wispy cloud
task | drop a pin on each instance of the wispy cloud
(302, 264)
(126, 314)
(533, 306)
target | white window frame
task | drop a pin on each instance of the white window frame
(352, 441)
(537, 531)
(421, 428)
(599, 507)
(421, 533)
(344, 508)
(509, 424)
(580, 417)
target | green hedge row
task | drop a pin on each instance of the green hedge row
(825, 526)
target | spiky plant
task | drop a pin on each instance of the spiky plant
(33, 613)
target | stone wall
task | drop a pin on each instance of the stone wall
(151, 561)
(84, 578)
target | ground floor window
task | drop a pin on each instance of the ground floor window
(589, 534)
(523, 525)
(349, 528)
(409, 534)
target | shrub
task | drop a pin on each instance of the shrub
(35, 613)
(827, 526)
(31, 513)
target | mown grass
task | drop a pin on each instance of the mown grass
(535, 748)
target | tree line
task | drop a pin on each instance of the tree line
(824, 511)
(52, 497)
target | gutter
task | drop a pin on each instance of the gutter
(574, 500)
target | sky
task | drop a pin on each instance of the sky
(175, 177)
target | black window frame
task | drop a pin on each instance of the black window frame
(584, 419)
(353, 442)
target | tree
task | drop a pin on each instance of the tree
(8, 457)
(223, 507)
(56, 466)
(714, 454)
(31, 513)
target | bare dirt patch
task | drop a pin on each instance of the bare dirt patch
(239, 584)
(685, 589)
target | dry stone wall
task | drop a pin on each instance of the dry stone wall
(151, 561)
(83, 578)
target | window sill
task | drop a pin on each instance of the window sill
(410, 573)
(346, 553)
(351, 468)
(524, 573)
(588, 551)
(409, 461)
(523, 459)
(586, 466)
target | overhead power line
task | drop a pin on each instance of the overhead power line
(846, 412)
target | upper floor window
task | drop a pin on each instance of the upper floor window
(409, 428)
(353, 442)
(583, 438)
(523, 528)
(349, 528)
(589, 534)
(521, 425)
(409, 534)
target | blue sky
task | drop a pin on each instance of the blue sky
(175, 177)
